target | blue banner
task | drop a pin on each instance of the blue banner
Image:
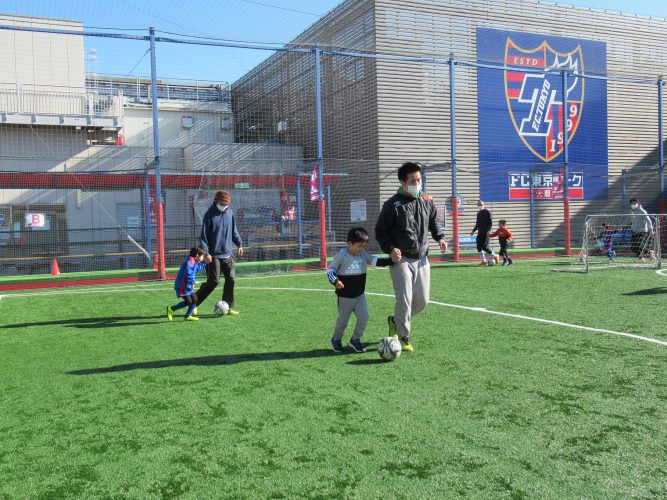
(522, 117)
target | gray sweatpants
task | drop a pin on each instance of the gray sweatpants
(346, 307)
(412, 282)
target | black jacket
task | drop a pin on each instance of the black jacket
(404, 223)
(484, 222)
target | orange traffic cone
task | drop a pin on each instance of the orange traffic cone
(55, 270)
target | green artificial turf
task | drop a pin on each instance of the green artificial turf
(102, 397)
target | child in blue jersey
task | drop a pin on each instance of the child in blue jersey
(347, 272)
(185, 281)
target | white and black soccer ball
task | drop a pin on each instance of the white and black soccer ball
(389, 348)
(491, 262)
(221, 308)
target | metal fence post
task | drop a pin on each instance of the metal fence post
(566, 166)
(661, 149)
(452, 139)
(320, 156)
(159, 209)
(532, 209)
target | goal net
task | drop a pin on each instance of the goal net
(625, 240)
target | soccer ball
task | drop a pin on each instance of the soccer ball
(491, 262)
(221, 308)
(389, 348)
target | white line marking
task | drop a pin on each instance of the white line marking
(153, 287)
(489, 311)
(662, 272)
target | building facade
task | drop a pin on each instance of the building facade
(381, 111)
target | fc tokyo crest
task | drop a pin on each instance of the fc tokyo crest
(535, 98)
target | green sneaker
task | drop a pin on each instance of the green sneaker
(195, 312)
(195, 318)
(392, 327)
(407, 346)
(232, 312)
(169, 313)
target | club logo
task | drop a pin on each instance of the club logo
(535, 95)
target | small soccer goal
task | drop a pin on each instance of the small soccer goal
(626, 241)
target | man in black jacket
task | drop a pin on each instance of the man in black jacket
(483, 226)
(402, 231)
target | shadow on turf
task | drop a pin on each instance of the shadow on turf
(93, 322)
(221, 359)
(648, 291)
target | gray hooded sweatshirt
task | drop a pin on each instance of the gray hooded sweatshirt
(640, 224)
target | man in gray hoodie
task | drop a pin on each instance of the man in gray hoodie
(642, 229)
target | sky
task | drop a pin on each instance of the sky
(261, 21)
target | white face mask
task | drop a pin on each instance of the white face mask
(221, 207)
(414, 189)
(480, 207)
(634, 206)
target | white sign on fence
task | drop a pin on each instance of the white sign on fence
(35, 220)
(358, 210)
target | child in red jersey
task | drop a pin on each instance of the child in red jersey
(504, 237)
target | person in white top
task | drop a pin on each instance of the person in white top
(642, 229)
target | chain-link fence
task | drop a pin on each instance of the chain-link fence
(114, 176)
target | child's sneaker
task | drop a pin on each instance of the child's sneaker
(510, 262)
(191, 318)
(169, 313)
(407, 346)
(392, 326)
(356, 345)
(195, 312)
(233, 312)
(336, 345)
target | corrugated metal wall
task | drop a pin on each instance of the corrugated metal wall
(380, 113)
(414, 107)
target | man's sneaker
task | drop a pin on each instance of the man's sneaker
(169, 313)
(356, 345)
(195, 312)
(392, 326)
(407, 346)
(232, 312)
(336, 345)
(191, 318)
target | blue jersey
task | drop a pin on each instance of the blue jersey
(185, 279)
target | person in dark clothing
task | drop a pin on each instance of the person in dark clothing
(347, 272)
(218, 232)
(483, 226)
(402, 230)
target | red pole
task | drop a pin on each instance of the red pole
(323, 234)
(566, 215)
(455, 227)
(159, 235)
(661, 205)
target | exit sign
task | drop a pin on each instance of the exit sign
(242, 185)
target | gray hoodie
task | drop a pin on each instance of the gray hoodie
(640, 224)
